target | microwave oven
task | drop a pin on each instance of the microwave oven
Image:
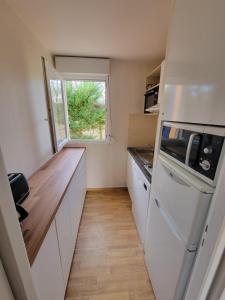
(199, 149)
(151, 98)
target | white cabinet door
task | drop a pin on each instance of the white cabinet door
(139, 190)
(69, 215)
(131, 176)
(194, 88)
(182, 199)
(140, 203)
(77, 191)
(46, 269)
(64, 233)
(166, 257)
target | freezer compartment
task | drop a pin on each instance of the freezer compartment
(180, 194)
(168, 262)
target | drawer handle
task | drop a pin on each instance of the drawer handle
(145, 186)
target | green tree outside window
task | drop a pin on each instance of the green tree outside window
(86, 109)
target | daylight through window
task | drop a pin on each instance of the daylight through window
(86, 101)
(58, 109)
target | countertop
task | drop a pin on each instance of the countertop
(133, 153)
(47, 188)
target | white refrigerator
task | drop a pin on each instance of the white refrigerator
(176, 220)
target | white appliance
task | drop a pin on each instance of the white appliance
(199, 149)
(193, 93)
(151, 99)
(176, 220)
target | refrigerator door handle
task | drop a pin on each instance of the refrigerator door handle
(190, 142)
(175, 177)
(168, 221)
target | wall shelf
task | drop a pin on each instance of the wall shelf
(153, 78)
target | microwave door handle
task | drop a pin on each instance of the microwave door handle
(191, 138)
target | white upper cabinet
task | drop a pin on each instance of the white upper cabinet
(195, 65)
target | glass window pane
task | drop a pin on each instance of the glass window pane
(86, 100)
(58, 109)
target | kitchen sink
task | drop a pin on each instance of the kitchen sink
(145, 155)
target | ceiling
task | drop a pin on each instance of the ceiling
(122, 29)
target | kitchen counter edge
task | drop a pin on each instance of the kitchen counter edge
(140, 164)
(48, 186)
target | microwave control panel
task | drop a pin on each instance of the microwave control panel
(209, 154)
(205, 149)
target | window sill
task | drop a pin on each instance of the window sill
(88, 142)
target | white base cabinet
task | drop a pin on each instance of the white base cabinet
(76, 199)
(139, 190)
(65, 237)
(130, 175)
(46, 269)
(51, 268)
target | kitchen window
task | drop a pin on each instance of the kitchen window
(58, 109)
(56, 106)
(78, 106)
(87, 106)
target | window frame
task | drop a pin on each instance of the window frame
(52, 74)
(90, 77)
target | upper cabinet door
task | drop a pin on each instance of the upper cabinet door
(194, 67)
(57, 106)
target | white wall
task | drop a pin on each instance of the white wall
(12, 248)
(142, 130)
(106, 163)
(24, 134)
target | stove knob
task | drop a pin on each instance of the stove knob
(208, 150)
(205, 164)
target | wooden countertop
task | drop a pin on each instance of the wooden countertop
(47, 188)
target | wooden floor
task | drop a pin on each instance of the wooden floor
(109, 260)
